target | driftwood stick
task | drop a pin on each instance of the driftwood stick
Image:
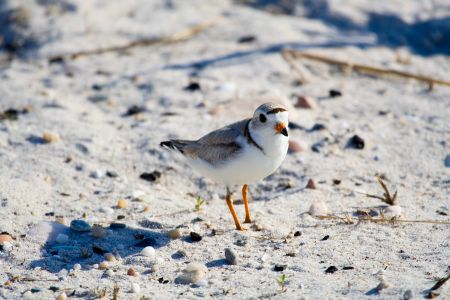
(367, 69)
(180, 36)
(303, 75)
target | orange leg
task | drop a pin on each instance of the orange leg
(247, 210)
(233, 212)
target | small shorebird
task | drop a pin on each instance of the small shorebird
(240, 153)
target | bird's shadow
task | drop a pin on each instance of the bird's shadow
(84, 249)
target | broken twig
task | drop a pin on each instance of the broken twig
(347, 220)
(367, 69)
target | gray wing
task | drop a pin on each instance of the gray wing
(218, 146)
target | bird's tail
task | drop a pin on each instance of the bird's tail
(175, 145)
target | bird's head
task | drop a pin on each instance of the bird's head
(270, 119)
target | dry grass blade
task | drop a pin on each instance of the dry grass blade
(382, 219)
(368, 69)
(387, 196)
(115, 293)
(440, 282)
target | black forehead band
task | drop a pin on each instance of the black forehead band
(276, 110)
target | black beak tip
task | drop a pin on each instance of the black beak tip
(284, 132)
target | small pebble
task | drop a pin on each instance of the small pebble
(231, 256)
(152, 177)
(62, 238)
(148, 251)
(295, 147)
(80, 226)
(318, 208)
(393, 211)
(193, 273)
(98, 231)
(195, 237)
(97, 174)
(135, 288)
(132, 272)
(110, 257)
(246, 39)
(5, 238)
(356, 142)
(297, 233)
(154, 268)
(331, 270)
(335, 93)
(138, 194)
(77, 267)
(325, 238)
(62, 296)
(36, 290)
(192, 87)
(103, 265)
(109, 273)
(311, 184)
(305, 102)
(279, 268)
(179, 254)
(112, 174)
(122, 203)
(447, 161)
(50, 137)
(174, 233)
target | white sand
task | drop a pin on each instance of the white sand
(408, 145)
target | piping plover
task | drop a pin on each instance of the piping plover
(240, 153)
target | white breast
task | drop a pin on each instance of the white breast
(250, 165)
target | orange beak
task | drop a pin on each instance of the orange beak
(281, 128)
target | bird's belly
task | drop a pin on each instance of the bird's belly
(249, 166)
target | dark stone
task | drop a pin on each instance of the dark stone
(36, 290)
(97, 98)
(335, 93)
(297, 233)
(336, 181)
(356, 142)
(347, 268)
(134, 110)
(96, 87)
(279, 268)
(112, 174)
(331, 270)
(152, 177)
(53, 288)
(195, 237)
(246, 39)
(117, 226)
(50, 214)
(146, 242)
(82, 148)
(317, 127)
(192, 87)
(120, 217)
(98, 250)
(325, 238)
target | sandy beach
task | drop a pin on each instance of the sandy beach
(91, 207)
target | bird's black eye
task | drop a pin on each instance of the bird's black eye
(262, 118)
